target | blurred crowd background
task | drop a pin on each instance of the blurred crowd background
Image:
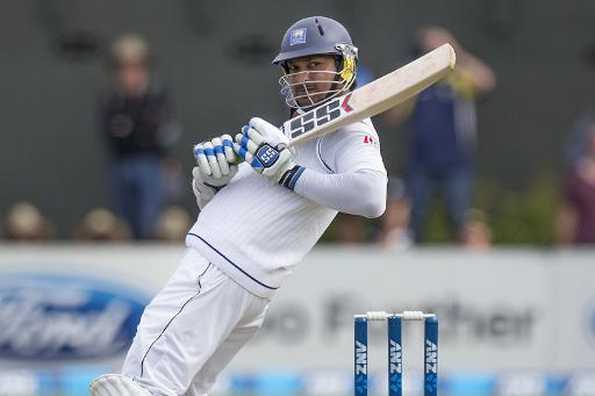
(103, 101)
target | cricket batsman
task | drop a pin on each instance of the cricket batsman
(258, 220)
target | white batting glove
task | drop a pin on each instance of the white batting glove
(216, 157)
(215, 168)
(265, 148)
(205, 187)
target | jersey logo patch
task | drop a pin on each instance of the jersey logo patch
(297, 36)
(267, 155)
(368, 139)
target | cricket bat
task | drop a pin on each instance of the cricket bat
(374, 98)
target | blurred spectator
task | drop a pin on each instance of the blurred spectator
(364, 75)
(476, 234)
(584, 124)
(136, 120)
(579, 136)
(100, 224)
(576, 223)
(25, 222)
(173, 224)
(350, 229)
(174, 183)
(443, 124)
(395, 233)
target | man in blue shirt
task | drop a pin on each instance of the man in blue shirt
(443, 121)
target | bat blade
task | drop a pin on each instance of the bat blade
(374, 98)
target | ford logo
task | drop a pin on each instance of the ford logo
(65, 317)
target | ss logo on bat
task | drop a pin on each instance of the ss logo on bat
(315, 118)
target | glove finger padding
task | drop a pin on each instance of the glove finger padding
(215, 157)
(270, 133)
(248, 142)
(201, 159)
(212, 159)
(250, 133)
(228, 149)
(220, 156)
(247, 156)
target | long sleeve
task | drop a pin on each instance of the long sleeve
(356, 182)
(361, 192)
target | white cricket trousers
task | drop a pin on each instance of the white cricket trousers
(192, 329)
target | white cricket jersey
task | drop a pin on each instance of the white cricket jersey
(256, 231)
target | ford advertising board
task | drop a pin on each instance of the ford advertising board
(54, 317)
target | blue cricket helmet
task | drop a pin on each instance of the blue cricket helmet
(313, 36)
(317, 35)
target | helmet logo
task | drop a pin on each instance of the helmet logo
(297, 36)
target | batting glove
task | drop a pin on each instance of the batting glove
(216, 157)
(215, 168)
(265, 148)
(205, 187)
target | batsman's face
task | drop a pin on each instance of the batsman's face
(312, 77)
